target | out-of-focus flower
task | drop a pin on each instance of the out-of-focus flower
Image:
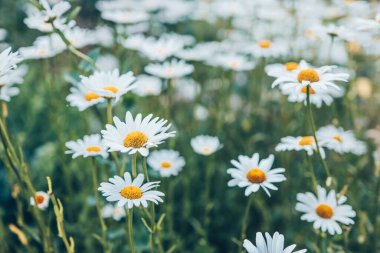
(41, 199)
(325, 210)
(205, 144)
(52, 14)
(278, 70)
(130, 193)
(90, 145)
(125, 16)
(8, 61)
(231, 61)
(252, 174)
(306, 143)
(147, 86)
(168, 70)
(272, 244)
(368, 24)
(43, 47)
(136, 135)
(116, 212)
(340, 141)
(107, 62)
(83, 98)
(186, 89)
(162, 48)
(166, 162)
(109, 84)
(268, 49)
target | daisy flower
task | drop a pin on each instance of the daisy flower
(8, 61)
(162, 48)
(306, 143)
(325, 210)
(252, 173)
(369, 24)
(273, 244)
(109, 84)
(233, 62)
(168, 70)
(136, 134)
(166, 162)
(340, 141)
(42, 200)
(116, 212)
(278, 70)
(147, 86)
(8, 91)
(268, 48)
(90, 145)
(130, 193)
(125, 16)
(83, 98)
(43, 47)
(319, 79)
(205, 144)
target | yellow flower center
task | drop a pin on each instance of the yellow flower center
(324, 211)
(111, 88)
(135, 139)
(206, 150)
(166, 165)
(308, 75)
(306, 141)
(131, 192)
(304, 90)
(338, 138)
(290, 66)
(39, 199)
(256, 176)
(265, 44)
(91, 96)
(93, 149)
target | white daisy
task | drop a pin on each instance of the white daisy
(278, 70)
(147, 86)
(340, 141)
(43, 47)
(125, 16)
(116, 212)
(8, 91)
(42, 200)
(162, 48)
(268, 49)
(109, 84)
(136, 135)
(319, 79)
(130, 193)
(252, 173)
(306, 143)
(231, 61)
(90, 145)
(273, 244)
(83, 98)
(368, 24)
(205, 144)
(325, 210)
(166, 162)
(168, 70)
(8, 61)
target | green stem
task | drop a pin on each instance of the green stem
(103, 226)
(134, 165)
(312, 124)
(109, 111)
(130, 230)
(312, 173)
(245, 223)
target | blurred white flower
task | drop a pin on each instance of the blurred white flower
(107, 62)
(130, 193)
(90, 145)
(41, 199)
(136, 135)
(114, 211)
(252, 174)
(166, 162)
(205, 144)
(147, 86)
(340, 141)
(43, 47)
(325, 210)
(168, 70)
(8, 61)
(231, 61)
(186, 89)
(273, 244)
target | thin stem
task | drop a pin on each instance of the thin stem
(312, 173)
(109, 111)
(312, 124)
(103, 226)
(245, 223)
(134, 165)
(130, 230)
